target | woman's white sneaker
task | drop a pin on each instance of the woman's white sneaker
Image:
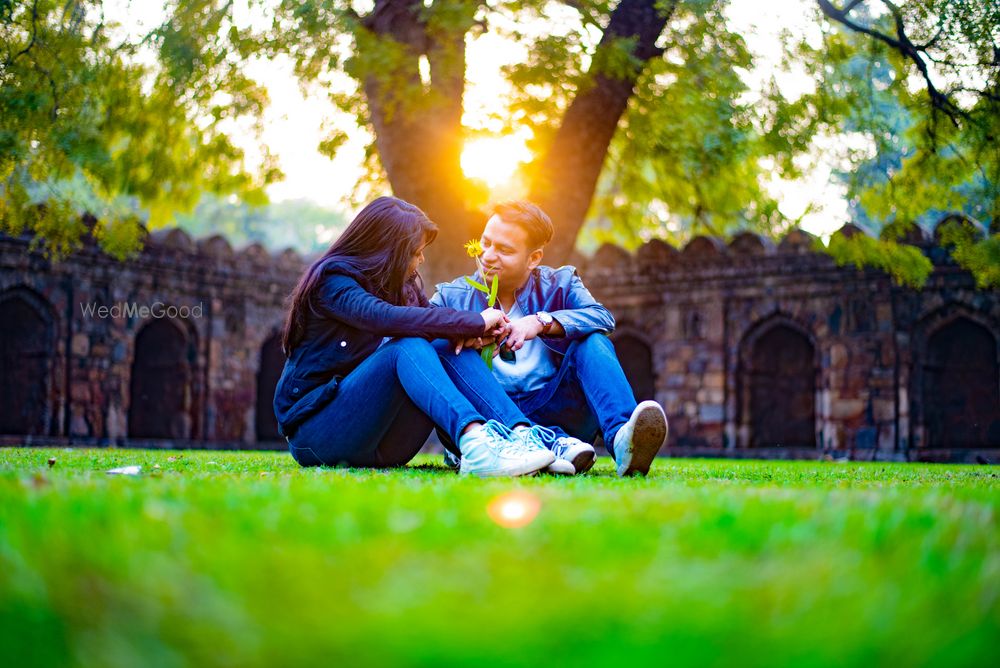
(493, 450)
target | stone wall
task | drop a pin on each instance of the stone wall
(765, 350)
(201, 368)
(754, 349)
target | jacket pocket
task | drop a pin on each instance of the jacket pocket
(309, 404)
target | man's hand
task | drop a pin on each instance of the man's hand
(521, 330)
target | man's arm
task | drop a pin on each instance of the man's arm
(582, 314)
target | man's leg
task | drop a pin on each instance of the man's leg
(591, 369)
(561, 406)
(632, 433)
(589, 393)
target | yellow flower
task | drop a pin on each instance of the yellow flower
(474, 248)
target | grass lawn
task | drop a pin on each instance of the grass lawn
(244, 559)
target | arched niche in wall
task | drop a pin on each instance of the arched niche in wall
(272, 361)
(778, 371)
(27, 349)
(161, 392)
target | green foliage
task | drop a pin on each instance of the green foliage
(129, 128)
(918, 161)
(967, 245)
(693, 153)
(134, 128)
(906, 264)
(240, 558)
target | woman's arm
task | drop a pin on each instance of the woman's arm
(342, 298)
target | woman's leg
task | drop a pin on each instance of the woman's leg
(402, 440)
(476, 383)
(352, 427)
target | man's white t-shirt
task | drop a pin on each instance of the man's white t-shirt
(534, 364)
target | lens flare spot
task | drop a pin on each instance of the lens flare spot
(513, 509)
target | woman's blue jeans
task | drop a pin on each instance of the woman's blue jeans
(385, 408)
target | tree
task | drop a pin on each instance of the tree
(573, 92)
(651, 95)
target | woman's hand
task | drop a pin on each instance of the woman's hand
(476, 343)
(496, 322)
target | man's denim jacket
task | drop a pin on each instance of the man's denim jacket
(559, 292)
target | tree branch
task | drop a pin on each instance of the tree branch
(902, 44)
(933, 40)
(34, 36)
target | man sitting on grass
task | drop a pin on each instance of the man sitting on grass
(556, 361)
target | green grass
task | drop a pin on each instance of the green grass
(244, 559)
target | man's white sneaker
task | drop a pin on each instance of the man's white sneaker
(639, 439)
(560, 467)
(493, 450)
(572, 455)
(581, 455)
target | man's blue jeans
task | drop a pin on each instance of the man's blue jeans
(384, 409)
(588, 395)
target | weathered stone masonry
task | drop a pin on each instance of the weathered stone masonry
(199, 373)
(753, 349)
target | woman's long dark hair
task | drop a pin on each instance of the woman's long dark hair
(380, 244)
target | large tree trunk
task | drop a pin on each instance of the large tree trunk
(566, 182)
(420, 141)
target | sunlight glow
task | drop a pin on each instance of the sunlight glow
(513, 509)
(494, 160)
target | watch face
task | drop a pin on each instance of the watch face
(545, 318)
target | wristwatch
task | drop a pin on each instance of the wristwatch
(546, 321)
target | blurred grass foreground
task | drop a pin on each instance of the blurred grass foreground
(244, 559)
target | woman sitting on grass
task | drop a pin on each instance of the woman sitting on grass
(350, 395)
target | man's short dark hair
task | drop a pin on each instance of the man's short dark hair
(529, 217)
